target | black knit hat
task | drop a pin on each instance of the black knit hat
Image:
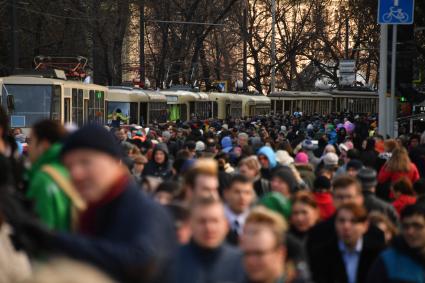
(322, 183)
(285, 174)
(354, 164)
(93, 137)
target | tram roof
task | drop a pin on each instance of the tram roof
(300, 94)
(155, 96)
(256, 98)
(186, 94)
(36, 80)
(353, 92)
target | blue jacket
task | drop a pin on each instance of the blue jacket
(134, 240)
(198, 265)
(270, 154)
(398, 264)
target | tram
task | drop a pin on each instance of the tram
(136, 106)
(183, 104)
(29, 99)
(304, 101)
(360, 102)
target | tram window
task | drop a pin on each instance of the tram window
(25, 96)
(92, 106)
(133, 112)
(157, 112)
(67, 110)
(56, 104)
(192, 109)
(287, 106)
(279, 106)
(183, 112)
(202, 109)
(96, 106)
(77, 106)
(215, 109)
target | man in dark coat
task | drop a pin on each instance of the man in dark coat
(207, 258)
(346, 190)
(348, 258)
(122, 232)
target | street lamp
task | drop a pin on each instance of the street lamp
(273, 47)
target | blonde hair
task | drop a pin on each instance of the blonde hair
(251, 162)
(399, 161)
(202, 166)
(276, 223)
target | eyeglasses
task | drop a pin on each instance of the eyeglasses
(258, 253)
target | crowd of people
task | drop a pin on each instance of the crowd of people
(268, 199)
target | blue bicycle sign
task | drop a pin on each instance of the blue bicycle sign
(396, 12)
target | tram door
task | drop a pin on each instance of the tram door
(144, 113)
(67, 110)
(86, 111)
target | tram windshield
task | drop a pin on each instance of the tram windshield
(32, 103)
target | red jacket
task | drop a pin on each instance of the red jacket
(385, 175)
(325, 202)
(402, 201)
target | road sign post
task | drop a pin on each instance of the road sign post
(382, 119)
(392, 113)
(394, 12)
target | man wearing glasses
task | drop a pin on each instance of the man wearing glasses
(404, 261)
(263, 247)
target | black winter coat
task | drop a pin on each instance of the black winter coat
(324, 233)
(133, 242)
(327, 264)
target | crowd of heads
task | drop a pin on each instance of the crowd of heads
(268, 186)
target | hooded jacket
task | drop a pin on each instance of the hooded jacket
(52, 205)
(270, 154)
(226, 144)
(271, 157)
(159, 170)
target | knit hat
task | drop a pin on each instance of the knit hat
(301, 158)
(283, 158)
(277, 203)
(92, 137)
(367, 176)
(322, 183)
(200, 146)
(285, 174)
(308, 145)
(354, 164)
(330, 159)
